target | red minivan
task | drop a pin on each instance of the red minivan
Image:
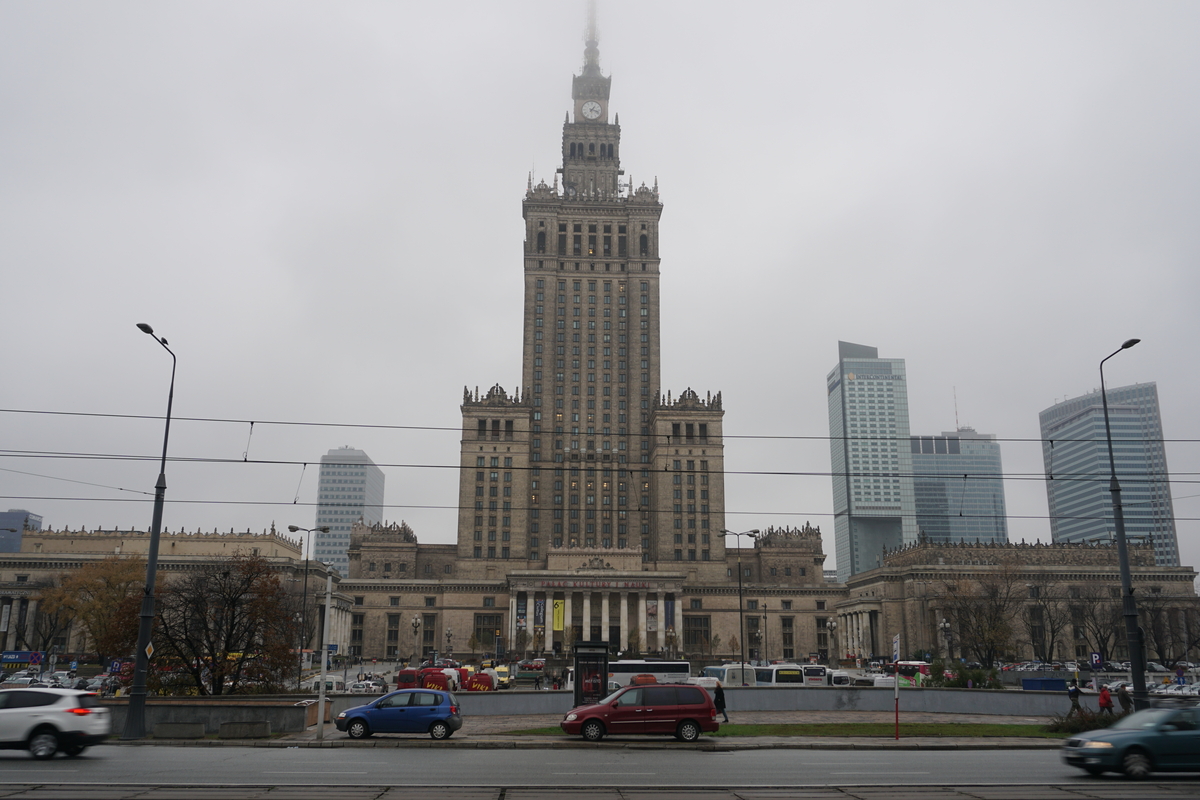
(671, 709)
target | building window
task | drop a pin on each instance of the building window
(696, 603)
(430, 602)
(820, 605)
(697, 632)
(358, 601)
(489, 602)
(394, 601)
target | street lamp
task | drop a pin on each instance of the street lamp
(449, 640)
(1133, 633)
(831, 626)
(765, 635)
(741, 604)
(306, 552)
(135, 718)
(671, 635)
(416, 626)
(325, 650)
(944, 627)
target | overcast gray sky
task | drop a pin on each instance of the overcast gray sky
(318, 205)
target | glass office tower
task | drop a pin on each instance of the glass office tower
(1075, 454)
(350, 487)
(873, 502)
(959, 487)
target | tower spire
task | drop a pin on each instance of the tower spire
(591, 53)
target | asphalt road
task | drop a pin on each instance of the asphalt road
(627, 768)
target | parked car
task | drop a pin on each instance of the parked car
(405, 711)
(1152, 740)
(682, 710)
(47, 720)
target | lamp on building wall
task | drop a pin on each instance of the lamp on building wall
(306, 552)
(1133, 632)
(135, 717)
(416, 626)
(741, 604)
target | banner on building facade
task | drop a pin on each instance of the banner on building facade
(521, 611)
(669, 610)
(4, 617)
(558, 614)
(651, 616)
(539, 612)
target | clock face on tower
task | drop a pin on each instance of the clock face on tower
(591, 109)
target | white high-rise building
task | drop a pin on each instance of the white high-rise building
(350, 488)
(873, 502)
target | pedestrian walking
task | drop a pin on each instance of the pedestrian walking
(719, 700)
(1125, 699)
(537, 682)
(1106, 703)
(1073, 692)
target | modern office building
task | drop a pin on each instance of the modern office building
(1075, 454)
(350, 489)
(959, 487)
(13, 523)
(873, 503)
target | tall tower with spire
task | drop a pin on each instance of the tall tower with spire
(591, 453)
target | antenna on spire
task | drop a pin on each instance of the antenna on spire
(955, 388)
(591, 53)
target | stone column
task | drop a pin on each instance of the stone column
(604, 611)
(624, 622)
(511, 643)
(587, 616)
(567, 611)
(641, 629)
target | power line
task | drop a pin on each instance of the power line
(459, 429)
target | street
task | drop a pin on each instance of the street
(641, 765)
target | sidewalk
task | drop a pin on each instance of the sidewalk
(497, 733)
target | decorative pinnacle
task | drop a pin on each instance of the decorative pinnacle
(591, 54)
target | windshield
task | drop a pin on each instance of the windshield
(610, 697)
(1143, 719)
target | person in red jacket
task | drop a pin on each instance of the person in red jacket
(1106, 701)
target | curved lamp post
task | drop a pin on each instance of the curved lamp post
(831, 626)
(135, 719)
(1133, 633)
(741, 605)
(304, 601)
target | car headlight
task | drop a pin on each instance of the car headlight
(1098, 745)
(572, 717)
(342, 715)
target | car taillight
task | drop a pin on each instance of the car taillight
(712, 713)
(79, 711)
(453, 709)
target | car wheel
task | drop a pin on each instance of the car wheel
(687, 731)
(74, 750)
(439, 730)
(593, 730)
(358, 729)
(43, 744)
(1136, 765)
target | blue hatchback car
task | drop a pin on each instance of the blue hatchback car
(406, 711)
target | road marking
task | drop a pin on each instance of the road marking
(879, 773)
(602, 773)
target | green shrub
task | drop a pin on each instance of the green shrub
(1082, 722)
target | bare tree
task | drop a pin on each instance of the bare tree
(1046, 615)
(985, 610)
(229, 626)
(1098, 615)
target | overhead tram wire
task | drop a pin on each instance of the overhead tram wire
(401, 506)
(460, 429)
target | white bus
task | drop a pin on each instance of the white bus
(780, 675)
(622, 672)
(730, 675)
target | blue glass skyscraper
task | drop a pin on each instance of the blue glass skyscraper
(1075, 454)
(959, 487)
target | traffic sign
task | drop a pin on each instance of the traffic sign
(114, 667)
(895, 648)
(1096, 662)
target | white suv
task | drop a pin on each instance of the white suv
(47, 720)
